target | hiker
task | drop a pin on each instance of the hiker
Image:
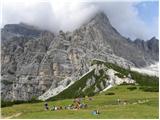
(94, 112)
(81, 105)
(119, 101)
(53, 108)
(61, 108)
(85, 105)
(97, 112)
(69, 107)
(86, 97)
(90, 99)
(72, 106)
(65, 107)
(46, 106)
(77, 105)
(125, 102)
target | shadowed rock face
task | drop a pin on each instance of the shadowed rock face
(150, 48)
(35, 60)
(12, 30)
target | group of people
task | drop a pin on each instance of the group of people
(124, 102)
(77, 104)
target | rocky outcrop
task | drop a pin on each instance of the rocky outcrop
(19, 30)
(150, 48)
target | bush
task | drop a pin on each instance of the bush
(119, 75)
(10, 103)
(5, 104)
(124, 83)
(132, 88)
(110, 93)
(149, 89)
(145, 80)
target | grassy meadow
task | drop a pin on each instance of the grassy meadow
(146, 108)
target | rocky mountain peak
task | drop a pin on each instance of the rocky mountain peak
(153, 38)
(21, 29)
(100, 17)
(101, 23)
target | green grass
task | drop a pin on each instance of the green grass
(106, 104)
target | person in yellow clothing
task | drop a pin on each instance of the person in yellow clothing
(86, 97)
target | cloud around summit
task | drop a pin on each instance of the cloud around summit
(59, 15)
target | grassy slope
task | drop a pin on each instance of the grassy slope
(76, 90)
(105, 103)
(147, 83)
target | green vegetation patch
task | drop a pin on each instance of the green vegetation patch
(110, 93)
(120, 75)
(132, 88)
(7, 82)
(149, 83)
(11, 103)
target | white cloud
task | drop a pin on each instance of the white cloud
(124, 17)
(55, 15)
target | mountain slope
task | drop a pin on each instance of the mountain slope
(105, 75)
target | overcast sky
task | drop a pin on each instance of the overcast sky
(136, 19)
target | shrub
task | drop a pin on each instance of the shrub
(110, 93)
(10, 103)
(149, 89)
(7, 82)
(132, 88)
(119, 75)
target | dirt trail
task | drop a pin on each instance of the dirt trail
(12, 116)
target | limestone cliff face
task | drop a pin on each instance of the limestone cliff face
(35, 61)
(21, 59)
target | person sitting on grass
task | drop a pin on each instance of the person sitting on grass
(85, 105)
(61, 108)
(65, 107)
(90, 98)
(95, 112)
(53, 108)
(46, 106)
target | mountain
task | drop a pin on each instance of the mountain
(150, 48)
(37, 63)
(19, 30)
(21, 56)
